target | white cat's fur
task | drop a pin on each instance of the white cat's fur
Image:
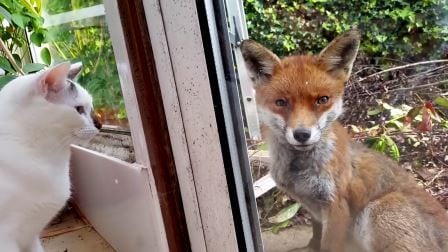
(40, 116)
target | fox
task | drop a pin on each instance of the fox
(358, 199)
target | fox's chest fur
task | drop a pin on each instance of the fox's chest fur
(301, 174)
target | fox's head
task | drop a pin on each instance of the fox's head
(300, 96)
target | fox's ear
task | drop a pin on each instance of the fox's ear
(339, 55)
(259, 61)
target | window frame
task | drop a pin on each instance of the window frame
(192, 201)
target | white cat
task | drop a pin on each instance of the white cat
(41, 115)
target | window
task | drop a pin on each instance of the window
(77, 31)
(120, 198)
(395, 101)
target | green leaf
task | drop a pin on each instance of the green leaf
(393, 150)
(6, 79)
(377, 143)
(444, 124)
(394, 123)
(18, 19)
(285, 214)
(5, 65)
(441, 101)
(37, 38)
(5, 14)
(30, 7)
(17, 59)
(277, 227)
(374, 111)
(387, 106)
(381, 38)
(33, 67)
(46, 56)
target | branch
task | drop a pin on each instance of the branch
(10, 57)
(404, 66)
(419, 86)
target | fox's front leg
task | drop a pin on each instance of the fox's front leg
(314, 244)
(315, 241)
(335, 226)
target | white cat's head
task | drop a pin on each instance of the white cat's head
(50, 102)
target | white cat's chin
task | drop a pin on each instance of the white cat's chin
(85, 134)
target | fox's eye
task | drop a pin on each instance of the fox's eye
(80, 109)
(281, 102)
(322, 99)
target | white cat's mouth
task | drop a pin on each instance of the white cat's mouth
(86, 133)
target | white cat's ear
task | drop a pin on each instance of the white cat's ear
(54, 78)
(75, 69)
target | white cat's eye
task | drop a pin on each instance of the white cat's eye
(80, 109)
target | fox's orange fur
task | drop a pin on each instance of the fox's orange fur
(359, 199)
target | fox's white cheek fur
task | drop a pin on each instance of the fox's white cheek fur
(290, 136)
(315, 135)
(272, 120)
(331, 115)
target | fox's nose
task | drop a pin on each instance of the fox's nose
(302, 135)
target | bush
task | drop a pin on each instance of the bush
(405, 29)
(17, 17)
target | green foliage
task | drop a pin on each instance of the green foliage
(285, 214)
(88, 41)
(397, 28)
(56, 7)
(441, 101)
(385, 144)
(283, 217)
(85, 40)
(33, 67)
(404, 118)
(16, 18)
(5, 79)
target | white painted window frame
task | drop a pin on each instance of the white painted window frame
(182, 71)
(180, 60)
(120, 199)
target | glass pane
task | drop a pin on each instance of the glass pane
(57, 7)
(88, 41)
(77, 32)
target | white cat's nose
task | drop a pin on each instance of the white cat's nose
(96, 120)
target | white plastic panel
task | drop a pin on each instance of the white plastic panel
(116, 198)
